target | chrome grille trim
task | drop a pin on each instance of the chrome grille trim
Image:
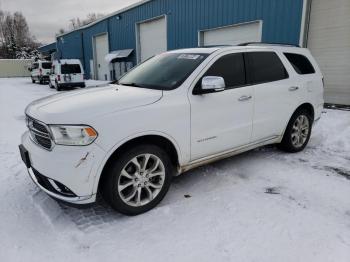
(34, 126)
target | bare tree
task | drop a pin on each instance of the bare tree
(76, 23)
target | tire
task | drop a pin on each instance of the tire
(33, 81)
(57, 86)
(41, 81)
(298, 132)
(83, 86)
(124, 183)
(50, 85)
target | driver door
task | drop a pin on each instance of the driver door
(222, 121)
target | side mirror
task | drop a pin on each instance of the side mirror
(211, 84)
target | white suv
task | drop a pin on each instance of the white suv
(177, 111)
(40, 71)
(66, 73)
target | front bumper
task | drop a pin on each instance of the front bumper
(70, 199)
(74, 168)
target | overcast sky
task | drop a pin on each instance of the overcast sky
(46, 17)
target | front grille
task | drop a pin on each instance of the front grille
(52, 185)
(39, 133)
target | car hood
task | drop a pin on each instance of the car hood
(75, 107)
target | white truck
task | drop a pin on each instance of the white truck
(176, 111)
(40, 71)
(66, 73)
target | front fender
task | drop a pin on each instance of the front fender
(125, 140)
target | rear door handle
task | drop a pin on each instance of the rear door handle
(244, 98)
(293, 88)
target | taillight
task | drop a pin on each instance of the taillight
(40, 71)
(58, 77)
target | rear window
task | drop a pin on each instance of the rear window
(300, 63)
(264, 67)
(70, 69)
(46, 65)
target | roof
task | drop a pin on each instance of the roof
(118, 54)
(108, 16)
(47, 45)
(212, 49)
(47, 48)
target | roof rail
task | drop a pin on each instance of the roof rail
(265, 43)
(213, 46)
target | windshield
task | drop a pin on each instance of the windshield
(164, 72)
(70, 69)
(46, 65)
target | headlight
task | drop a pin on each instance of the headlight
(73, 135)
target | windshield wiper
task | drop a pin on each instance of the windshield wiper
(130, 84)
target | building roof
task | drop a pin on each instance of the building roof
(108, 16)
(47, 48)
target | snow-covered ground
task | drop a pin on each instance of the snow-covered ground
(264, 205)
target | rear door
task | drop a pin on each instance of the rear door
(276, 93)
(72, 73)
(46, 68)
(35, 70)
(52, 74)
(222, 121)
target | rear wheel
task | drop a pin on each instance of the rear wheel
(33, 81)
(41, 81)
(138, 180)
(57, 86)
(298, 132)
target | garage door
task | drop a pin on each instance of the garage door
(329, 42)
(232, 35)
(152, 38)
(101, 50)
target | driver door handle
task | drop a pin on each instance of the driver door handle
(244, 98)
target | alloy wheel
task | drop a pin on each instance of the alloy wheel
(141, 180)
(300, 131)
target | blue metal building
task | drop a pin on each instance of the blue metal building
(174, 24)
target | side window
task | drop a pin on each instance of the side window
(300, 63)
(229, 67)
(35, 66)
(264, 67)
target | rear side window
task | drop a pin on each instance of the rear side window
(300, 63)
(231, 68)
(46, 65)
(35, 66)
(70, 69)
(264, 67)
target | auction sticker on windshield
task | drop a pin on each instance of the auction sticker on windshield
(189, 56)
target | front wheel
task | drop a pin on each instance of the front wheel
(298, 132)
(138, 180)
